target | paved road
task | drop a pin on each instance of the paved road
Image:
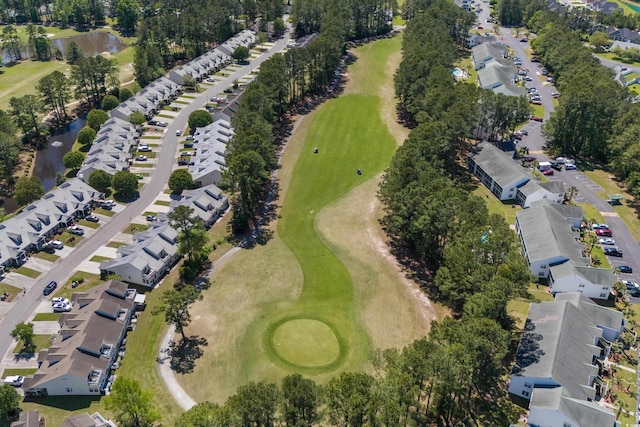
(588, 190)
(64, 269)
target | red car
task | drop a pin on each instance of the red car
(537, 119)
(603, 232)
(547, 172)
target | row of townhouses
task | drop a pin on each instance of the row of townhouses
(155, 250)
(37, 223)
(210, 145)
(112, 151)
(559, 364)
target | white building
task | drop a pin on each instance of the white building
(210, 143)
(509, 181)
(208, 203)
(550, 239)
(556, 367)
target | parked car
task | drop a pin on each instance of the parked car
(607, 241)
(534, 59)
(630, 284)
(61, 308)
(624, 269)
(109, 203)
(189, 138)
(210, 80)
(524, 40)
(528, 159)
(537, 119)
(152, 218)
(188, 144)
(51, 286)
(74, 229)
(536, 102)
(603, 232)
(516, 135)
(183, 162)
(570, 166)
(60, 300)
(49, 249)
(556, 166)
(144, 148)
(161, 124)
(547, 172)
(527, 78)
(141, 158)
(599, 226)
(555, 94)
(480, 27)
(612, 252)
(228, 90)
(524, 132)
(185, 153)
(56, 244)
(14, 380)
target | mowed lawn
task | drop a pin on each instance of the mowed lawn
(323, 263)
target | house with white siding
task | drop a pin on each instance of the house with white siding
(208, 159)
(557, 363)
(507, 180)
(208, 203)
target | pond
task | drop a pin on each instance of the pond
(49, 160)
(92, 44)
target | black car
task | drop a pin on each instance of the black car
(50, 288)
(228, 90)
(183, 162)
(49, 249)
(624, 269)
(188, 145)
(612, 252)
(556, 166)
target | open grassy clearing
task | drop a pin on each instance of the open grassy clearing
(519, 307)
(45, 317)
(506, 209)
(46, 256)
(323, 272)
(41, 341)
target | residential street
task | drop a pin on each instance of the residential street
(24, 305)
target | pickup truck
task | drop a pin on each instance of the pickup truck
(14, 380)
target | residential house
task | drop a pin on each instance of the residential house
(81, 356)
(603, 6)
(623, 35)
(509, 181)
(477, 39)
(550, 238)
(30, 229)
(148, 259)
(557, 362)
(208, 160)
(208, 203)
(494, 71)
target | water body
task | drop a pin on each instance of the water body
(92, 44)
(49, 159)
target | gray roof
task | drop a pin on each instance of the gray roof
(546, 233)
(486, 52)
(558, 342)
(602, 316)
(556, 187)
(498, 165)
(583, 412)
(568, 211)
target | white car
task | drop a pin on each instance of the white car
(57, 244)
(570, 166)
(599, 226)
(61, 308)
(74, 229)
(178, 132)
(60, 300)
(606, 241)
(144, 148)
(141, 158)
(14, 380)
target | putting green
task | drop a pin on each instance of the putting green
(306, 343)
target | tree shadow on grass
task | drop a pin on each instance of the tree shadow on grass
(185, 353)
(63, 402)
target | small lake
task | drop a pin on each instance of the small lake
(49, 160)
(93, 43)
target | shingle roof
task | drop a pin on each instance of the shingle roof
(498, 165)
(584, 413)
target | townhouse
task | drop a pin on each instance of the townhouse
(210, 145)
(558, 362)
(82, 355)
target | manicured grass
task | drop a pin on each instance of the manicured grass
(151, 136)
(11, 290)
(467, 65)
(162, 203)
(44, 317)
(18, 371)
(41, 341)
(397, 20)
(144, 165)
(591, 213)
(134, 228)
(613, 57)
(507, 209)
(165, 116)
(89, 281)
(599, 258)
(46, 256)
(26, 271)
(316, 272)
(149, 154)
(538, 110)
(98, 258)
(115, 244)
(634, 88)
(70, 239)
(188, 96)
(89, 224)
(626, 211)
(180, 102)
(104, 212)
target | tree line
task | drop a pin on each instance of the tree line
(260, 121)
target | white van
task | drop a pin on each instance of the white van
(14, 380)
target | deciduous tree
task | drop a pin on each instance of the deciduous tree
(96, 118)
(125, 184)
(28, 190)
(73, 160)
(86, 136)
(175, 306)
(24, 332)
(179, 180)
(199, 118)
(133, 406)
(9, 401)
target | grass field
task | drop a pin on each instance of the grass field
(506, 209)
(26, 271)
(43, 317)
(324, 278)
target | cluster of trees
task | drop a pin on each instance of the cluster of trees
(283, 81)
(363, 18)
